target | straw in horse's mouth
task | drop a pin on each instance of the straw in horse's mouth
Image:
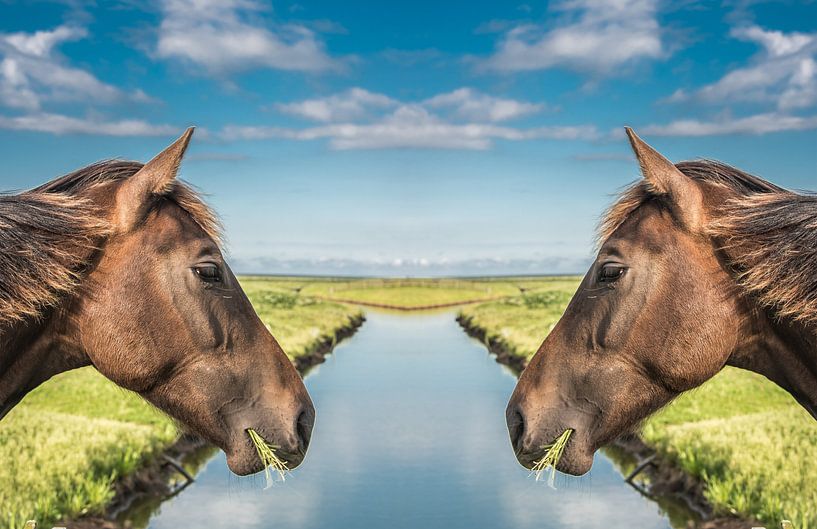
(553, 453)
(266, 452)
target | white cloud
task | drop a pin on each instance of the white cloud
(776, 43)
(40, 43)
(358, 103)
(221, 36)
(353, 104)
(60, 124)
(473, 105)
(31, 72)
(756, 124)
(351, 122)
(410, 126)
(599, 37)
(783, 73)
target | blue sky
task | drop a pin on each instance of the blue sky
(410, 138)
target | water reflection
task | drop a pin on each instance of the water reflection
(410, 434)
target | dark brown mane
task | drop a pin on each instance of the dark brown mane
(48, 234)
(115, 170)
(768, 233)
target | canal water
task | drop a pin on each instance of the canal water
(410, 434)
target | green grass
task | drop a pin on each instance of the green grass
(411, 293)
(752, 444)
(64, 445)
(747, 439)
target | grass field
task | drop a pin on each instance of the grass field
(753, 446)
(411, 293)
(71, 438)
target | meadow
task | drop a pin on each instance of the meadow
(411, 294)
(69, 440)
(750, 443)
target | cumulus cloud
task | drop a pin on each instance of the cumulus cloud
(352, 104)
(222, 36)
(32, 72)
(597, 37)
(358, 103)
(756, 124)
(60, 124)
(783, 73)
(462, 119)
(470, 104)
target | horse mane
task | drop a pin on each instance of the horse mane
(48, 235)
(767, 233)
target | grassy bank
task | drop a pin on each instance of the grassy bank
(299, 322)
(520, 323)
(70, 439)
(744, 437)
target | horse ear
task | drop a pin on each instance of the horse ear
(666, 179)
(153, 179)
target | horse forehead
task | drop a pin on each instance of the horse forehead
(168, 225)
(650, 227)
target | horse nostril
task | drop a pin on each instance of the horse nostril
(303, 428)
(516, 428)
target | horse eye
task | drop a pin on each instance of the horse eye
(610, 273)
(209, 273)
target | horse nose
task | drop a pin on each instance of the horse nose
(304, 423)
(515, 418)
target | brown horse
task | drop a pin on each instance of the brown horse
(699, 266)
(118, 266)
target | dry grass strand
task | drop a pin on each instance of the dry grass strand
(266, 452)
(553, 453)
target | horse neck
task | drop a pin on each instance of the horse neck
(33, 352)
(785, 352)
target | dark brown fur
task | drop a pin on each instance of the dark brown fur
(45, 243)
(771, 241)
